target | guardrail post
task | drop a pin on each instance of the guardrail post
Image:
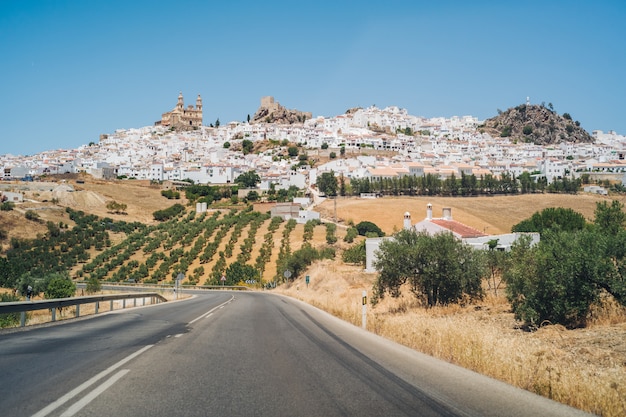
(53, 311)
(97, 306)
(77, 310)
(22, 319)
(134, 302)
(111, 309)
(124, 303)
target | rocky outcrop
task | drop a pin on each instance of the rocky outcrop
(272, 112)
(536, 124)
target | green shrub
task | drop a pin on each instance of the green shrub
(9, 319)
(367, 228)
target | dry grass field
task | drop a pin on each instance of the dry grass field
(585, 368)
(493, 215)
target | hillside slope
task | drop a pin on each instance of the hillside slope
(536, 124)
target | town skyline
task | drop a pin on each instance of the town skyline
(356, 146)
(75, 70)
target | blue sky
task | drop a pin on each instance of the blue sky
(72, 70)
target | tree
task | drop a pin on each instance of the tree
(93, 285)
(609, 225)
(292, 151)
(240, 272)
(440, 269)
(217, 122)
(496, 261)
(367, 228)
(351, 234)
(59, 286)
(248, 179)
(342, 185)
(115, 207)
(552, 217)
(247, 146)
(32, 215)
(327, 183)
(252, 196)
(610, 219)
(9, 319)
(355, 254)
(342, 151)
(303, 257)
(555, 281)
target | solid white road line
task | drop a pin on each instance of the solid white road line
(53, 406)
(211, 311)
(76, 407)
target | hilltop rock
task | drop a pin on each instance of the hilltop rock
(353, 110)
(536, 124)
(272, 112)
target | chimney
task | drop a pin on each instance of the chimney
(447, 213)
(429, 211)
(407, 221)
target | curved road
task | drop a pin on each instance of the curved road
(238, 354)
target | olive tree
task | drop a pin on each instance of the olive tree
(440, 269)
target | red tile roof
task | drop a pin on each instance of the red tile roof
(459, 228)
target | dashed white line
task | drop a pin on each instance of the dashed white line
(76, 407)
(211, 311)
(53, 406)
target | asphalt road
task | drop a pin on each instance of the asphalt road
(238, 354)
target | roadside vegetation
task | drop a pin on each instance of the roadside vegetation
(432, 292)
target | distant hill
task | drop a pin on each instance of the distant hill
(536, 124)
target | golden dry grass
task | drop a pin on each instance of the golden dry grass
(584, 368)
(491, 214)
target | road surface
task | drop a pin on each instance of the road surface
(237, 354)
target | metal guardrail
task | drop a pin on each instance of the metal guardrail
(58, 303)
(171, 286)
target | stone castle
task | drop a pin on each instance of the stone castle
(183, 118)
(272, 112)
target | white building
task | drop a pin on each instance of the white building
(445, 224)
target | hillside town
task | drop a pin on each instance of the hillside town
(377, 143)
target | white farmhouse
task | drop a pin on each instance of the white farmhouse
(445, 224)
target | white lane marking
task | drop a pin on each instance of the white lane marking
(79, 405)
(212, 310)
(53, 406)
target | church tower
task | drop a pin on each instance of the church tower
(180, 104)
(199, 103)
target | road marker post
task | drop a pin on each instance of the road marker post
(364, 308)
